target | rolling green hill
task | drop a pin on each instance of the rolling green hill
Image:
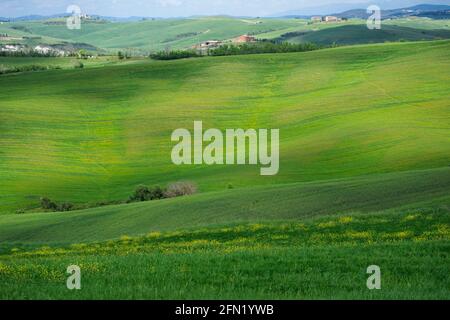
(356, 34)
(158, 34)
(64, 62)
(364, 177)
(403, 192)
(93, 135)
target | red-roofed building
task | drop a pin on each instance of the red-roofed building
(244, 38)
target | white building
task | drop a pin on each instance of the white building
(331, 19)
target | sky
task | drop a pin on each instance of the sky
(178, 8)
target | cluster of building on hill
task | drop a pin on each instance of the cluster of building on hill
(44, 50)
(39, 49)
(12, 48)
(212, 44)
(326, 19)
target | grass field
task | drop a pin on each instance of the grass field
(322, 258)
(294, 202)
(63, 62)
(356, 34)
(364, 177)
(93, 135)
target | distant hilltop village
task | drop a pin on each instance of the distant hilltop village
(326, 19)
(57, 50)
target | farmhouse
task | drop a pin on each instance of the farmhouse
(244, 39)
(331, 19)
(210, 44)
(203, 47)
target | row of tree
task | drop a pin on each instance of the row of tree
(261, 47)
(174, 54)
(28, 53)
(25, 68)
(141, 193)
(238, 49)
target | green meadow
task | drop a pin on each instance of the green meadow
(322, 258)
(93, 135)
(363, 180)
(291, 202)
(62, 62)
(354, 34)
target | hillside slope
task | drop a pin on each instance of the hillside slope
(323, 258)
(156, 34)
(294, 202)
(160, 34)
(92, 135)
(358, 34)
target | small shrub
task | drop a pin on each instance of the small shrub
(156, 193)
(180, 189)
(144, 193)
(26, 68)
(78, 65)
(66, 206)
(47, 204)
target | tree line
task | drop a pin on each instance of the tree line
(238, 49)
(141, 193)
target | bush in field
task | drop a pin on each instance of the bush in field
(47, 204)
(78, 65)
(179, 189)
(83, 54)
(156, 193)
(140, 194)
(144, 193)
(66, 206)
(26, 68)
